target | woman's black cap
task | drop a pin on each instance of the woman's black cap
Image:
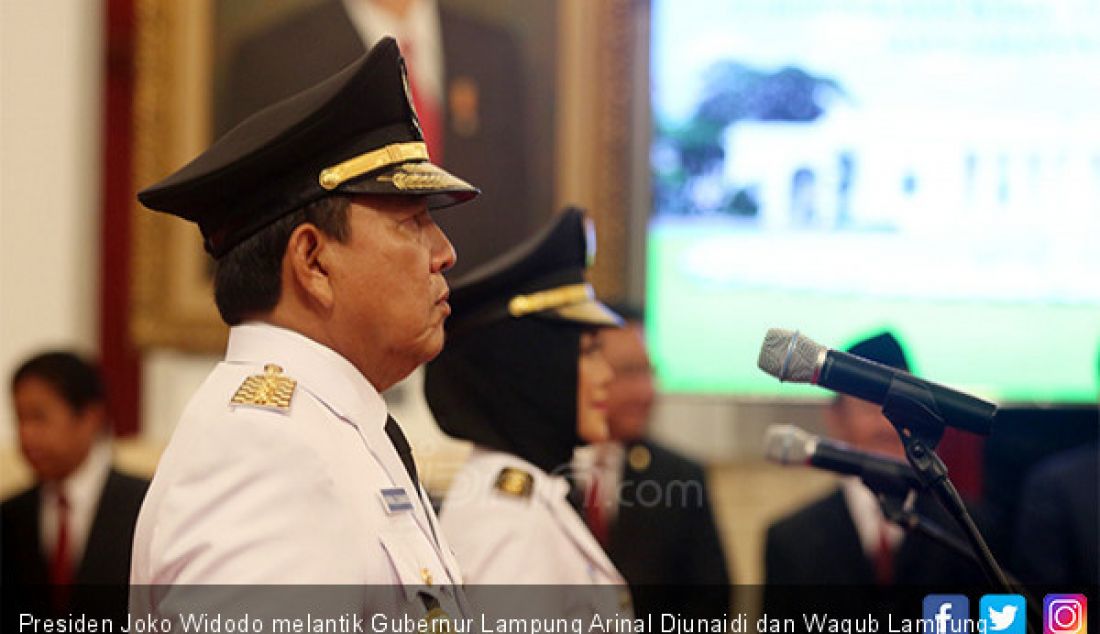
(543, 276)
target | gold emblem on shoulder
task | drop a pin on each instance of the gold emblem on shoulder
(639, 458)
(515, 482)
(270, 390)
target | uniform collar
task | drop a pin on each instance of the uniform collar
(83, 486)
(317, 368)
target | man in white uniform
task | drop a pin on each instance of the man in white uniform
(285, 467)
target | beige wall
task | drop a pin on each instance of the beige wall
(51, 61)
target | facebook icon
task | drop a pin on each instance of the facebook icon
(947, 613)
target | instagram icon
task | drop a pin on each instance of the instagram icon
(1065, 614)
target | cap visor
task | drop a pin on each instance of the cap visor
(586, 313)
(441, 188)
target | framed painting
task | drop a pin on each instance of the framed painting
(580, 64)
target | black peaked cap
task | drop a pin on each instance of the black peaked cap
(354, 133)
(883, 348)
(543, 276)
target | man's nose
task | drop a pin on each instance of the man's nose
(443, 252)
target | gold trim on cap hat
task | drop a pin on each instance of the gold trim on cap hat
(336, 175)
(417, 176)
(521, 305)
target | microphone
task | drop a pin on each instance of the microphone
(789, 445)
(790, 356)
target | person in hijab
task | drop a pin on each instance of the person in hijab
(522, 377)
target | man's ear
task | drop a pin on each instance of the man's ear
(94, 415)
(305, 262)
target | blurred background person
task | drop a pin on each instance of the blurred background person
(1057, 524)
(648, 505)
(66, 540)
(1056, 535)
(523, 378)
(844, 539)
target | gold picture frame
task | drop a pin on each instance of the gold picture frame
(172, 295)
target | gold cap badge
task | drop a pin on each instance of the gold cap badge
(270, 390)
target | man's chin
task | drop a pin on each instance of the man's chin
(433, 344)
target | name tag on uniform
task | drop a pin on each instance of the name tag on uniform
(396, 500)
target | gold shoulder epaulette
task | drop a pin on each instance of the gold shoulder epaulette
(515, 482)
(270, 390)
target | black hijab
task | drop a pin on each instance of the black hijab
(512, 387)
(507, 377)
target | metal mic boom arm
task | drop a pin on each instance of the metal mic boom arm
(910, 407)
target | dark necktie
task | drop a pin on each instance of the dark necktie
(60, 565)
(884, 557)
(401, 444)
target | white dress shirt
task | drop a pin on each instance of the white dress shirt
(867, 517)
(418, 33)
(604, 461)
(82, 488)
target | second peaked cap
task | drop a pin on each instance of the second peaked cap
(354, 133)
(542, 277)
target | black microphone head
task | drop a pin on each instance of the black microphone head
(787, 445)
(789, 356)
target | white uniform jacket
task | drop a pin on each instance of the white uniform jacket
(536, 537)
(246, 494)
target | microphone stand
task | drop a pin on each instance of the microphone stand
(900, 512)
(911, 409)
(897, 507)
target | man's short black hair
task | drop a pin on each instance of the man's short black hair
(77, 381)
(248, 280)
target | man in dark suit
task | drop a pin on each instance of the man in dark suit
(843, 539)
(1058, 525)
(1057, 538)
(464, 75)
(647, 504)
(66, 541)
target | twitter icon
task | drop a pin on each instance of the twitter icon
(1003, 613)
